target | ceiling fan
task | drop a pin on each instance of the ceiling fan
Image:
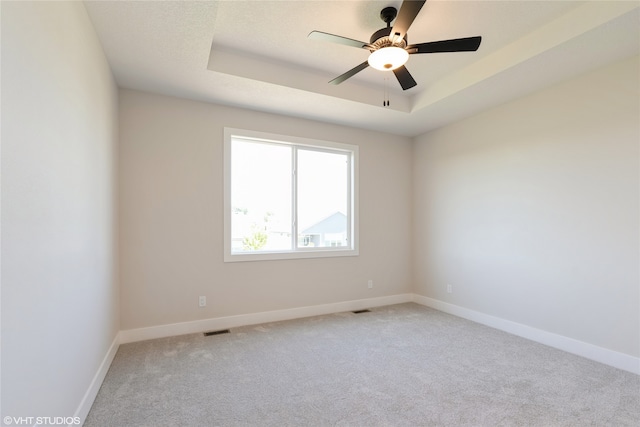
(389, 47)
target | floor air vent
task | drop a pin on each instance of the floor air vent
(224, 331)
(361, 311)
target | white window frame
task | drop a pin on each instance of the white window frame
(296, 252)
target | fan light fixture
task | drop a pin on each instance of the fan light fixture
(388, 58)
(388, 47)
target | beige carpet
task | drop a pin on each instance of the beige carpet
(401, 365)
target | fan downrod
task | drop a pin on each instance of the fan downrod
(380, 38)
(388, 14)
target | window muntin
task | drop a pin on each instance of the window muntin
(288, 197)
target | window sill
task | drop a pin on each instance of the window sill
(302, 254)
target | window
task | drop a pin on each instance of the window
(288, 197)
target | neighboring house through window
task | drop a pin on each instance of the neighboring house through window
(330, 231)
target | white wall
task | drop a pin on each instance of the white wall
(530, 210)
(171, 216)
(59, 133)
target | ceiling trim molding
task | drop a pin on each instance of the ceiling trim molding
(573, 24)
(267, 70)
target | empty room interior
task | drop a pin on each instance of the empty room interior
(382, 212)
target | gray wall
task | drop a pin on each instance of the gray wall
(171, 216)
(59, 130)
(530, 210)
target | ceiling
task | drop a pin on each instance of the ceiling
(256, 54)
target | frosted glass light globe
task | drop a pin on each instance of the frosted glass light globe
(388, 58)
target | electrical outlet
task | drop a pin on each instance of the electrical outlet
(370, 284)
(202, 301)
(449, 288)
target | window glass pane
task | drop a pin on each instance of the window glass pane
(260, 197)
(322, 199)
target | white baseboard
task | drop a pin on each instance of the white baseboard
(570, 345)
(141, 334)
(94, 387)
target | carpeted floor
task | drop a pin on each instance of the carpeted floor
(401, 365)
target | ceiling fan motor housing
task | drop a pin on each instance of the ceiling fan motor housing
(381, 39)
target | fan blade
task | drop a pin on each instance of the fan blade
(408, 12)
(352, 72)
(468, 44)
(326, 37)
(404, 78)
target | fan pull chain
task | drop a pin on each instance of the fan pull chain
(385, 101)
